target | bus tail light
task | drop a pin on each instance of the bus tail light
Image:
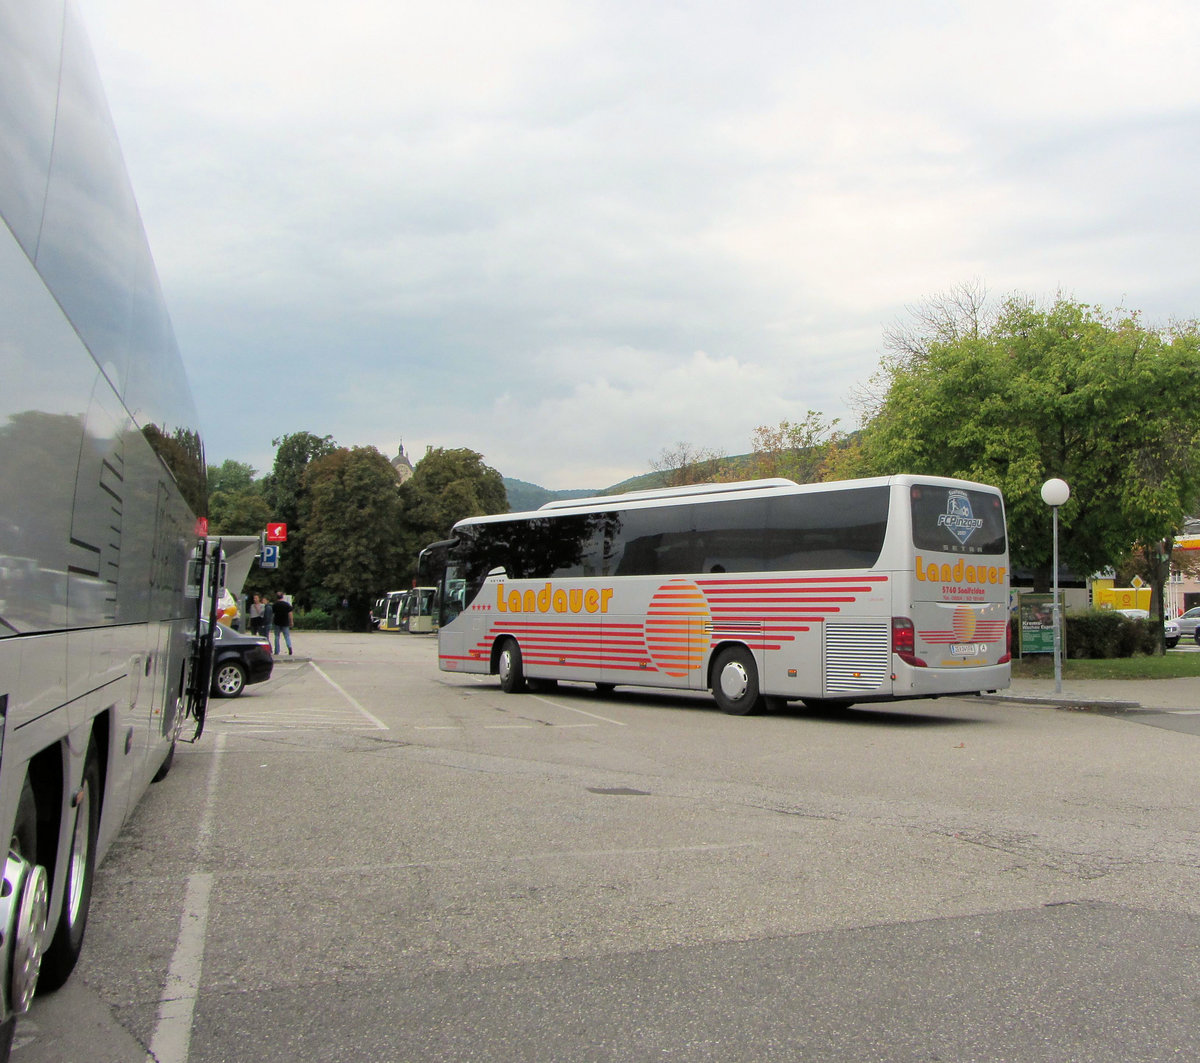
(1007, 658)
(904, 642)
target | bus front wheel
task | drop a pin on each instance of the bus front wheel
(735, 682)
(511, 667)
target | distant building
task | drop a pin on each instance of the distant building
(403, 467)
(1183, 590)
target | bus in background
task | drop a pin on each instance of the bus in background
(104, 567)
(420, 611)
(389, 610)
(762, 591)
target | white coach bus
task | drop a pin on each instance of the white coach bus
(762, 591)
(102, 659)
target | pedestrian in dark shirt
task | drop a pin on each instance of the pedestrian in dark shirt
(281, 620)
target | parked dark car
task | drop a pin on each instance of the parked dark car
(238, 660)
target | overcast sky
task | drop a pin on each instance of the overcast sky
(570, 234)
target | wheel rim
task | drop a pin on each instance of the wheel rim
(229, 680)
(32, 912)
(505, 663)
(735, 680)
(80, 847)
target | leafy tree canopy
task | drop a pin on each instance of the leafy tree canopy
(231, 476)
(798, 450)
(445, 487)
(237, 513)
(285, 492)
(352, 515)
(283, 487)
(1028, 393)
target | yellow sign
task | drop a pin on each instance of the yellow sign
(1122, 597)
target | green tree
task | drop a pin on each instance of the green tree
(352, 513)
(285, 493)
(798, 450)
(235, 502)
(445, 487)
(233, 477)
(237, 513)
(1028, 393)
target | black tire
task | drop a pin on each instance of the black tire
(735, 682)
(229, 679)
(65, 946)
(1196, 636)
(165, 767)
(1172, 643)
(24, 839)
(511, 667)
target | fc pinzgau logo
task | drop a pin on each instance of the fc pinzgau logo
(959, 519)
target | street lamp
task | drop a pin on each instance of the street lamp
(1054, 493)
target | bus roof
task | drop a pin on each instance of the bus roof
(713, 492)
(670, 492)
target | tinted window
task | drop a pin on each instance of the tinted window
(827, 529)
(831, 529)
(958, 521)
(653, 542)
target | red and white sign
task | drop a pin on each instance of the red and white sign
(277, 533)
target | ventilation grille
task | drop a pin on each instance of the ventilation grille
(857, 657)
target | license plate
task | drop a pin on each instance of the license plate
(964, 649)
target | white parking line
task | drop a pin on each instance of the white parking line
(571, 708)
(379, 724)
(172, 1037)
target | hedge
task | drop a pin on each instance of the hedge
(314, 620)
(1102, 633)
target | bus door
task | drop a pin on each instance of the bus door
(395, 610)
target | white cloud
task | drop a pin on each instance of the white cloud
(568, 234)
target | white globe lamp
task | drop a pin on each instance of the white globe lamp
(1055, 493)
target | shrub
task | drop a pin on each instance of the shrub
(313, 620)
(1103, 633)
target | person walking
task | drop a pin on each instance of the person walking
(268, 617)
(282, 621)
(255, 612)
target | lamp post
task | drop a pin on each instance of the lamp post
(1054, 493)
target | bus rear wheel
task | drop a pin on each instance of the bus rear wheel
(511, 667)
(61, 956)
(735, 682)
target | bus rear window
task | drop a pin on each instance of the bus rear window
(955, 520)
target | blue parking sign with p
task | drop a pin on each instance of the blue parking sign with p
(270, 556)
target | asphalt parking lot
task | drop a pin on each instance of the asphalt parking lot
(367, 859)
